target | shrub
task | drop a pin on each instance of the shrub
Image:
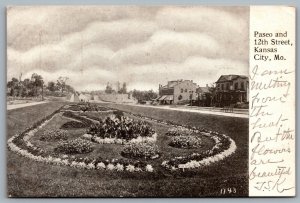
(187, 142)
(54, 135)
(141, 150)
(119, 114)
(121, 128)
(77, 146)
(73, 124)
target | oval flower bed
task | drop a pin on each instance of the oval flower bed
(187, 142)
(76, 146)
(141, 150)
(54, 135)
(224, 146)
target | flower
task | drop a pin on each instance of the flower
(164, 163)
(81, 165)
(149, 168)
(74, 164)
(110, 167)
(119, 167)
(138, 169)
(90, 166)
(65, 162)
(101, 165)
(130, 168)
(88, 136)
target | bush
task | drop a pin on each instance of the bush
(187, 142)
(141, 150)
(73, 124)
(54, 135)
(77, 146)
(119, 114)
(121, 128)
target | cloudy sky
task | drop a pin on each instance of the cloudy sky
(143, 46)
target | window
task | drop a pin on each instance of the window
(236, 86)
(181, 90)
(227, 86)
(185, 90)
(222, 87)
(242, 86)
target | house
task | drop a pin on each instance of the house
(203, 97)
(231, 89)
(84, 97)
(177, 92)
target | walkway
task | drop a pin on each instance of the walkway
(16, 106)
(239, 113)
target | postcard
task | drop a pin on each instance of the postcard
(150, 101)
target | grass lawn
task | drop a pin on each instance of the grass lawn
(27, 178)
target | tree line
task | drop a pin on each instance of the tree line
(34, 87)
(120, 90)
(146, 95)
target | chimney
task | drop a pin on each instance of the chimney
(206, 85)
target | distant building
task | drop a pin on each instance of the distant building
(231, 89)
(177, 92)
(203, 97)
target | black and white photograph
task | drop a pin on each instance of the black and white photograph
(127, 101)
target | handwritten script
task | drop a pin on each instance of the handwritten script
(272, 129)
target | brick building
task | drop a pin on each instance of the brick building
(231, 89)
(177, 92)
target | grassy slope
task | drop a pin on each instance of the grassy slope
(28, 178)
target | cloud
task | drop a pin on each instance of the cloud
(166, 45)
(57, 22)
(228, 28)
(143, 46)
(202, 70)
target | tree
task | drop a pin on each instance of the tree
(61, 83)
(13, 85)
(51, 86)
(144, 95)
(213, 90)
(69, 89)
(119, 90)
(108, 89)
(124, 88)
(38, 82)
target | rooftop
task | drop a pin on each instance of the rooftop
(173, 83)
(231, 77)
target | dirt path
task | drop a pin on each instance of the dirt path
(16, 106)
